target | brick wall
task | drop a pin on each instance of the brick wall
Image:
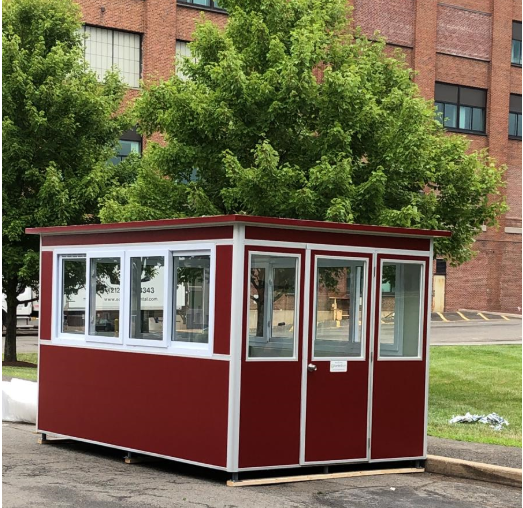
(393, 18)
(463, 32)
(187, 18)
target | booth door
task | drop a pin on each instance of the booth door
(399, 377)
(337, 368)
(271, 357)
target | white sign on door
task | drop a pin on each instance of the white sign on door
(338, 366)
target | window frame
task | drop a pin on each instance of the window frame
(202, 348)
(397, 323)
(191, 5)
(113, 30)
(167, 308)
(123, 287)
(515, 64)
(297, 301)
(518, 122)
(57, 333)
(123, 342)
(458, 105)
(363, 328)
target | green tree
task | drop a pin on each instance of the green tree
(291, 112)
(60, 126)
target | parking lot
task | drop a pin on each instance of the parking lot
(82, 475)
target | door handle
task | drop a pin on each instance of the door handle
(311, 367)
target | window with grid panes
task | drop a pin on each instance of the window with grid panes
(105, 49)
(461, 108)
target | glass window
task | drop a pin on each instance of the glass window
(104, 313)
(460, 107)
(192, 279)
(126, 147)
(516, 43)
(105, 48)
(339, 308)
(451, 115)
(272, 306)
(73, 294)
(182, 50)
(514, 126)
(212, 4)
(400, 310)
(147, 298)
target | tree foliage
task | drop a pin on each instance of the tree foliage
(59, 127)
(291, 112)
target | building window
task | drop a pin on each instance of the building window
(205, 4)
(516, 43)
(514, 117)
(461, 108)
(129, 142)
(182, 50)
(105, 49)
(441, 267)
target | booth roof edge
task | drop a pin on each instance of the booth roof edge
(224, 220)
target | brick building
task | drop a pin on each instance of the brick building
(467, 54)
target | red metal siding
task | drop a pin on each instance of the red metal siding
(350, 239)
(161, 404)
(270, 398)
(152, 235)
(222, 313)
(46, 295)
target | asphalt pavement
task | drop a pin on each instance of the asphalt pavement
(89, 476)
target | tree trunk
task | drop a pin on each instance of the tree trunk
(11, 299)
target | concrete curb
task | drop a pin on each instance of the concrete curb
(473, 470)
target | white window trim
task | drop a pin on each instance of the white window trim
(191, 348)
(123, 341)
(297, 300)
(398, 323)
(363, 328)
(123, 288)
(167, 306)
(73, 338)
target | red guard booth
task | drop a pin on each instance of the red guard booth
(237, 343)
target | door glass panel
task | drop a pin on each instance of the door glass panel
(147, 291)
(73, 295)
(400, 322)
(272, 309)
(339, 308)
(104, 311)
(192, 275)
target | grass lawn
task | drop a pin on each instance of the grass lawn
(22, 372)
(478, 379)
